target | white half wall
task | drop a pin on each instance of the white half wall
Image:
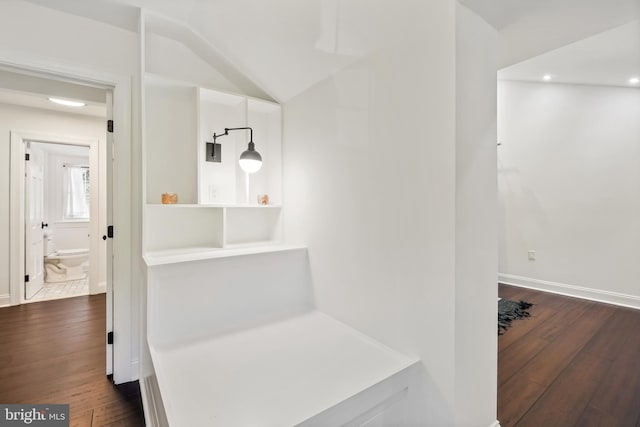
(568, 182)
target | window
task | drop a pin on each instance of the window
(76, 192)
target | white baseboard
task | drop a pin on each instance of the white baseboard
(495, 424)
(135, 370)
(5, 300)
(154, 413)
(608, 297)
(101, 288)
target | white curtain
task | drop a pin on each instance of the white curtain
(77, 194)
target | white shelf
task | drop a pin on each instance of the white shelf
(217, 200)
(220, 205)
(180, 255)
(300, 370)
(253, 206)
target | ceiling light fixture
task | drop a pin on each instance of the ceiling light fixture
(250, 159)
(67, 102)
(634, 80)
(547, 77)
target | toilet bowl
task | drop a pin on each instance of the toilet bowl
(64, 264)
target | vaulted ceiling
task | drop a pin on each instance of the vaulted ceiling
(610, 58)
(528, 28)
(285, 46)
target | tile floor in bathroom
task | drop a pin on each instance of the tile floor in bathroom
(72, 288)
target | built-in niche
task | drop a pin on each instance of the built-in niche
(217, 202)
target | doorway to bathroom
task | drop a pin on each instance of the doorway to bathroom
(62, 213)
(59, 199)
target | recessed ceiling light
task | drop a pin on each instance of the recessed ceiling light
(67, 102)
(547, 77)
(634, 80)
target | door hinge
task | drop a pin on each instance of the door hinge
(110, 126)
(110, 337)
(26, 156)
(26, 278)
(110, 231)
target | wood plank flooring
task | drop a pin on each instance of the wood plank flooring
(54, 352)
(573, 363)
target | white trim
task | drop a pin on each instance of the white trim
(5, 300)
(154, 414)
(598, 295)
(135, 370)
(100, 288)
(16, 218)
(123, 276)
(495, 424)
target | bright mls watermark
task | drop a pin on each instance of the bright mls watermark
(34, 415)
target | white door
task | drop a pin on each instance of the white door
(34, 222)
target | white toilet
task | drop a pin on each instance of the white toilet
(64, 264)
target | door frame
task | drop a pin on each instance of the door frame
(17, 216)
(123, 287)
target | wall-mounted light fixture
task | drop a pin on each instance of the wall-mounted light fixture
(250, 159)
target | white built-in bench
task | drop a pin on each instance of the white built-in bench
(236, 341)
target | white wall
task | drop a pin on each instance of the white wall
(79, 46)
(65, 39)
(170, 58)
(370, 186)
(171, 142)
(66, 234)
(569, 170)
(370, 178)
(476, 221)
(33, 120)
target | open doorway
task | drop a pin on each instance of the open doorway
(567, 174)
(62, 213)
(59, 204)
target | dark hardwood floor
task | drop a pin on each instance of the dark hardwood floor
(54, 352)
(573, 363)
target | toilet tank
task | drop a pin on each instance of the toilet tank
(49, 246)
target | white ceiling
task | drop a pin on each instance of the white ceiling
(283, 46)
(62, 149)
(286, 46)
(528, 28)
(32, 91)
(609, 58)
(34, 100)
